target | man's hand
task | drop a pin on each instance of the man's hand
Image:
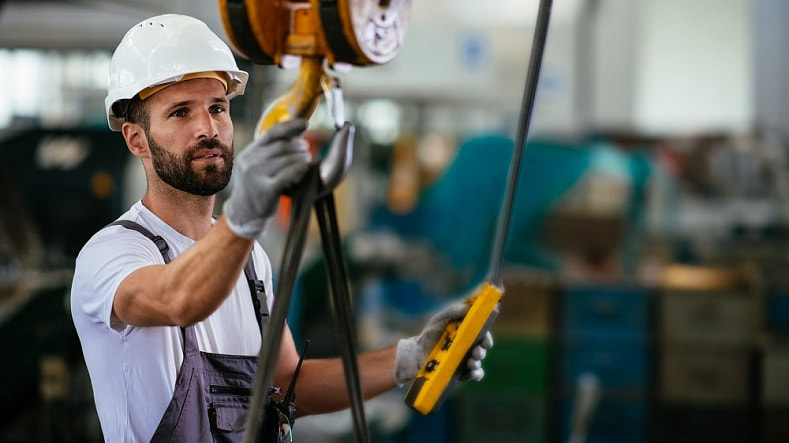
(412, 352)
(263, 170)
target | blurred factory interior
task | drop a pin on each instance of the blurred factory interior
(644, 294)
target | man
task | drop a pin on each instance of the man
(169, 329)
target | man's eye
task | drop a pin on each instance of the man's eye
(179, 113)
(216, 109)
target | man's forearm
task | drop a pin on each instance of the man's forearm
(321, 386)
(208, 271)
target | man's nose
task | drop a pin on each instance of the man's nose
(206, 126)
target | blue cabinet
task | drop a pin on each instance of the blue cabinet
(605, 308)
(604, 331)
(778, 312)
(613, 421)
(620, 363)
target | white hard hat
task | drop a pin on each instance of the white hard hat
(162, 50)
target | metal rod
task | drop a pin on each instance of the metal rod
(303, 197)
(529, 92)
(343, 310)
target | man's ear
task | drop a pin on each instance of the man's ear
(136, 140)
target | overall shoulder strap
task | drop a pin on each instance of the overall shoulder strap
(258, 291)
(160, 243)
(189, 335)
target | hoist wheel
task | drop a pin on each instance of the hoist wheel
(237, 25)
(358, 32)
(363, 32)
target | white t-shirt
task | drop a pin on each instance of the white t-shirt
(133, 369)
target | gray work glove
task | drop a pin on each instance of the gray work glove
(474, 369)
(412, 352)
(268, 166)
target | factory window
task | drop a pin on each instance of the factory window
(52, 88)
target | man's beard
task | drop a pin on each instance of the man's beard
(176, 170)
